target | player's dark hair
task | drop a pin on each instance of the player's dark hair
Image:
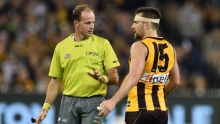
(76, 14)
(149, 12)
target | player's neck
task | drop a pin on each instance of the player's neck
(151, 34)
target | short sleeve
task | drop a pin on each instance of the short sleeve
(55, 66)
(110, 58)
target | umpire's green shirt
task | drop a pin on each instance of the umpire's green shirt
(72, 60)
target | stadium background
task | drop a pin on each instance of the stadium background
(30, 29)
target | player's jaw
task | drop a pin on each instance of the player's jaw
(137, 35)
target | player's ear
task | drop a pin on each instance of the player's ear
(148, 25)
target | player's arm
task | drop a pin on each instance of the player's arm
(52, 92)
(138, 54)
(174, 78)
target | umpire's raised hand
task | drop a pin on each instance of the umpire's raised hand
(96, 75)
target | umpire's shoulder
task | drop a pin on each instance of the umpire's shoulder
(99, 38)
(64, 41)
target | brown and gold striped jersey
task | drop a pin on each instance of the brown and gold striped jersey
(149, 93)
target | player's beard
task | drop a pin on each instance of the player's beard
(137, 37)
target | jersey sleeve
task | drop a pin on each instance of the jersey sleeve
(110, 58)
(55, 66)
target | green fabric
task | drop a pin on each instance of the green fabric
(72, 60)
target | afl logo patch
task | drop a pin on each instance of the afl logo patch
(67, 56)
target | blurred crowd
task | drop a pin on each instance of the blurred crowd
(30, 30)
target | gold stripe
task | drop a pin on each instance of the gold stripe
(133, 100)
(160, 95)
(148, 98)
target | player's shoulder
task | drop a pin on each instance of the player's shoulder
(138, 44)
(167, 42)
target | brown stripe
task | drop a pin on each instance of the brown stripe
(155, 97)
(141, 95)
(156, 53)
(157, 38)
(147, 49)
(162, 98)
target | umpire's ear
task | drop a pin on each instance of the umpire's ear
(75, 22)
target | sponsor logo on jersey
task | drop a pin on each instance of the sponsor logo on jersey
(88, 53)
(155, 78)
(79, 45)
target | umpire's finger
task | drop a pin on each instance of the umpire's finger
(95, 71)
(90, 74)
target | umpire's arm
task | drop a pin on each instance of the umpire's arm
(52, 90)
(113, 76)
